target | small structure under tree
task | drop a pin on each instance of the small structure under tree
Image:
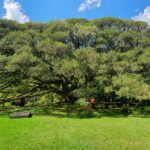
(21, 115)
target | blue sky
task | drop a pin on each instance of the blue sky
(46, 10)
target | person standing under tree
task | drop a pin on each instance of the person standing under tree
(92, 103)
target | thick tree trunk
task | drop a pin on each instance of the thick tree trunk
(106, 105)
(3, 104)
(69, 99)
(22, 102)
(66, 93)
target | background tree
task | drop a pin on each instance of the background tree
(108, 58)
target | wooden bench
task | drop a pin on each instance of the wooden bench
(21, 115)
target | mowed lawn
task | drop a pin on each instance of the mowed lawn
(50, 133)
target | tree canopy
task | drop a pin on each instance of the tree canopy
(108, 58)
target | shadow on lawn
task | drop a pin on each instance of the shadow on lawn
(71, 111)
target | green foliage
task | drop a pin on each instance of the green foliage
(74, 21)
(13, 41)
(7, 26)
(7, 104)
(131, 86)
(82, 102)
(84, 36)
(107, 58)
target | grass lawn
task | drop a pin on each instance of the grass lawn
(52, 133)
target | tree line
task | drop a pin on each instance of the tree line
(108, 58)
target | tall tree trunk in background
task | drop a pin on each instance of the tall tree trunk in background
(65, 93)
(22, 102)
(3, 104)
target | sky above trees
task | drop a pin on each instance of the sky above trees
(43, 11)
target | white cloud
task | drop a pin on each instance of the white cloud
(14, 11)
(89, 4)
(143, 16)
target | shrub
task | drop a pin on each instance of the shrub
(125, 110)
(82, 102)
(7, 104)
(85, 113)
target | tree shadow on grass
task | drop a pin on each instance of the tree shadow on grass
(143, 112)
(72, 111)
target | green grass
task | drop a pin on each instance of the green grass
(70, 128)
(51, 133)
(72, 111)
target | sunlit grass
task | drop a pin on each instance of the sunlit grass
(50, 133)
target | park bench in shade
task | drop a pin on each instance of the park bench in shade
(21, 115)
